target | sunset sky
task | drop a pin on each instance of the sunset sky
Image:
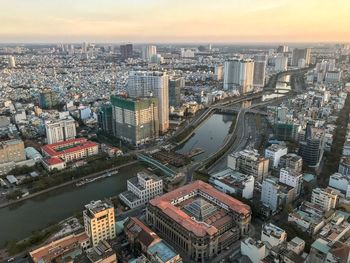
(175, 20)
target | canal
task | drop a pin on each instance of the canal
(20, 220)
(209, 136)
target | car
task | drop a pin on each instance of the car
(11, 259)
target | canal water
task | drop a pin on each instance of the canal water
(209, 136)
(20, 220)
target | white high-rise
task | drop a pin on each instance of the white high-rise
(152, 83)
(12, 62)
(148, 52)
(281, 62)
(239, 74)
(60, 130)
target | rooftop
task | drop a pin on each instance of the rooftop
(167, 203)
(97, 206)
(162, 250)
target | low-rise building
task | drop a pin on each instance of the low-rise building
(297, 245)
(326, 198)
(141, 189)
(233, 182)
(102, 253)
(274, 154)
(249, 162)
(291, 161)
(344, 165)
(333, 252)
(71, 150)
(255, 250)
(341, 183)
(308, 217)
(273, 235)
(293, 179)
(59, 250)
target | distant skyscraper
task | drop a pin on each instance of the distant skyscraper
(281, 62)
(219, 72)
(12, 62)
(239, 74)
(298, 54)
(175, 86)
(282, 49)
(60, 130)
(126, 51)
(259, 71)
(149, 83)
(135, 120)
(148, 52)
(84, 47)
(48, 99)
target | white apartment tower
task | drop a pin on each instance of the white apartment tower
(99, 221)
(239, 74)
(152, 83)
(291, 178)
(60, 130)
(148, 52)
(281, 62)
(11, 62)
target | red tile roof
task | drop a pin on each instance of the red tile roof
(53, 161)
(198, 228)
(76, 145)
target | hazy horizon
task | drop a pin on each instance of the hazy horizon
(165, 21)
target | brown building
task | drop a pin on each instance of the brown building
(198, 220)
(60, 249)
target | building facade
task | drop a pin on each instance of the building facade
(198, 220)
(135, 120)
(99, 221)
(141, 189)
(155, 84)
(326, 198)
(239, 75)
(60, 130)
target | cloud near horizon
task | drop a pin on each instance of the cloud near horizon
(175, 20)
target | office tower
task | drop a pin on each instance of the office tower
(175, 86)
(298, 54)
(209, 47)
(48, 99)
(219, 72)
(99, 221)
(281, 62)
(105, 119)
(60, 130)
(310, 146)
(84, 47)
(156, 84)
(11, 62)
(135, 120)
(282, 49)
(239, 74)
(259, 71)
(126, 51)
(148, 52)
(193, 214)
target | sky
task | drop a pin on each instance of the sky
(214, 21)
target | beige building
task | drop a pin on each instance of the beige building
(324, 198)
(249, 162)
(99, 221)
(12, 151)
(198, 220)
(151, 83)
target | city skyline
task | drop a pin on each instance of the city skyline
(170, 21)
